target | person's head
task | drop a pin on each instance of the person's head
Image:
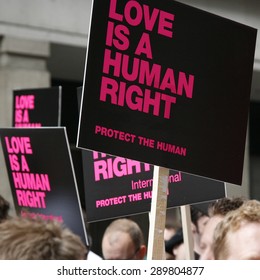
(237, 236)
(123, 240)
(37, 239)
(217, 211)
(199, 219)
(4, 209)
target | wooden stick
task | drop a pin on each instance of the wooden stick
(187, 233)
(156, 246)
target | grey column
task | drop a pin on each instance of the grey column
(22, 65)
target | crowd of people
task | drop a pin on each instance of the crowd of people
(229, 229)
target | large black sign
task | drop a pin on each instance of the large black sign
(116, 186)
(41, 175)
(167, 84)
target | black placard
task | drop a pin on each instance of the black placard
(167, 84)
(37, 107)
(116, 186)
(41, 175)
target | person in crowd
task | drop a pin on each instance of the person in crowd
(37, 239)
(123, 240)
(217, 211)
(199, 219)
(237, 236)
(176, 247)
(169, 231)
(4, 209)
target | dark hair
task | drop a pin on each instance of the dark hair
(4, 209)
(196, 214)
(225, 205)
(175, 240)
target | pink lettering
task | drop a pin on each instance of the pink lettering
(112, 62)
(14, 163)
(110, 201)
(24, 102)
(165, 24)
(166, 147)
(150, 19)
(113, 133)
(112, 11)
(146, 142)
(117, 167)
(135, 197)
(169, 100)
(134, 13)
(25, 116)
(130, 73)
(18, 145)
(144, 46)
(97, 155)
(109, 87)
(117, 36)
(18, 115)
(30, 199)
(134, 97)
(147, 195)
(185, 84)
(146, 73)
(168, 81)
(152, 102)
(31, 181)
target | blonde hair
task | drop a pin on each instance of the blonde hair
(37, 239)
(248, 212)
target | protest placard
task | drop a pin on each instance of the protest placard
(37, 107)
(41, 175)
(168, 84)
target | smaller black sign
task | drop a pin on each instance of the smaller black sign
(116, 186)
(37, 107)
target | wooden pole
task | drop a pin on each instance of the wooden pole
(158, 214)
(187, 233)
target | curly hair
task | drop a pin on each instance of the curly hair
(223, 206)
(249, 212)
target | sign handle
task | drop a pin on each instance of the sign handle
(158, 214)
(187, 233)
